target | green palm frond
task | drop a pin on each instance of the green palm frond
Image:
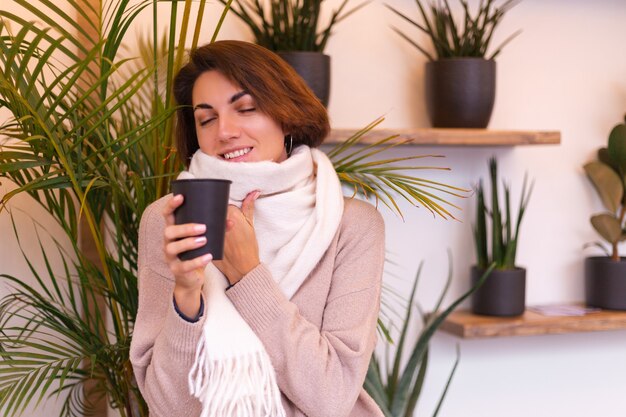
(383, 180)
(46, 351)
(88, 138)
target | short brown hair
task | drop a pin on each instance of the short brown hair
(277, 89)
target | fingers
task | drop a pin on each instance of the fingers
(174, 232)
(183, 268)
(171, 206)
(229, 224)
(175, 247)
(179, 231)
(247, 206)
(181, 238)
(246, 211)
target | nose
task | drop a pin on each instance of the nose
(228, 128)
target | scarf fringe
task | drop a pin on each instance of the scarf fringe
(241, 386)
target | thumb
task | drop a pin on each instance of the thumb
(247, 206)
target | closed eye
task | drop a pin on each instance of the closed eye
(248, 110)
(204, 122)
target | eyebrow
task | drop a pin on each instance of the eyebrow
(231, 101)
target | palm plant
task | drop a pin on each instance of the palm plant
(89, 139)
(503, 238)
(382, 179)
(289, 25)
(467, 37)
(85, 146)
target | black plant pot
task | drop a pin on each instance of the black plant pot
(460, 92)
(605, 283)
(502, 294)
(314, 68)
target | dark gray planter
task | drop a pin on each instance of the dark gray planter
(502, 294)
(605, 283)
(314, 68)
(460, 92)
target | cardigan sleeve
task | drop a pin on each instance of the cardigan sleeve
(163, 346)
(321, 370)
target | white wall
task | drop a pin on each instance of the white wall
(566, 72)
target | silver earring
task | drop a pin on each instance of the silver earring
(289, 146)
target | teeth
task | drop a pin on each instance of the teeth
(236, 154)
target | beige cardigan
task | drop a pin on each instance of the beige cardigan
(320, 342)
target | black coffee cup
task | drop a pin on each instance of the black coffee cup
(205, 202)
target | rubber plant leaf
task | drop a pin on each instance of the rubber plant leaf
(607, 226)
(617, 148)
(607, 183)
(603, 156)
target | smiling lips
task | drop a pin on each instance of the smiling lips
(236, 154)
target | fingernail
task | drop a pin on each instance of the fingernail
(256, 195)
(207, 258)
(201, 239)
(199, 228)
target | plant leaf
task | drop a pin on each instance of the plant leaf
(617, 148)
(608, 226)
(445, 390)
(607, 183)
(422, 343)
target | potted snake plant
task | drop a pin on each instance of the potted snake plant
(605, 276)
(460, 82)
(504, 291)
(294, 30)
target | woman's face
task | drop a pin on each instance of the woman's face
(228, 124)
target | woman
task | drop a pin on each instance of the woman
(285, 323)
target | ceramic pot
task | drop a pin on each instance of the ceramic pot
(605, 283)
(460, 92)
(314, 68)
(502, 294)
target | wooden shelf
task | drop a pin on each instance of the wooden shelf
(454, 137)
(466, 325)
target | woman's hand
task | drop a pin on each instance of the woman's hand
(189, 275)
(241, 250)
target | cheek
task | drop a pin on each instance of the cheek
(277, 150)
(269, 134)
(275, 141)
(205, 142)
(279, 153)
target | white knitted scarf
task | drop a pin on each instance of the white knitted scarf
(295, 218)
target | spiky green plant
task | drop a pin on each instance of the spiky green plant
(504, 238)
(466, 37)
(608, 176)
(289, 25)
(396, 390)
(84, 144)
(89, 139)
